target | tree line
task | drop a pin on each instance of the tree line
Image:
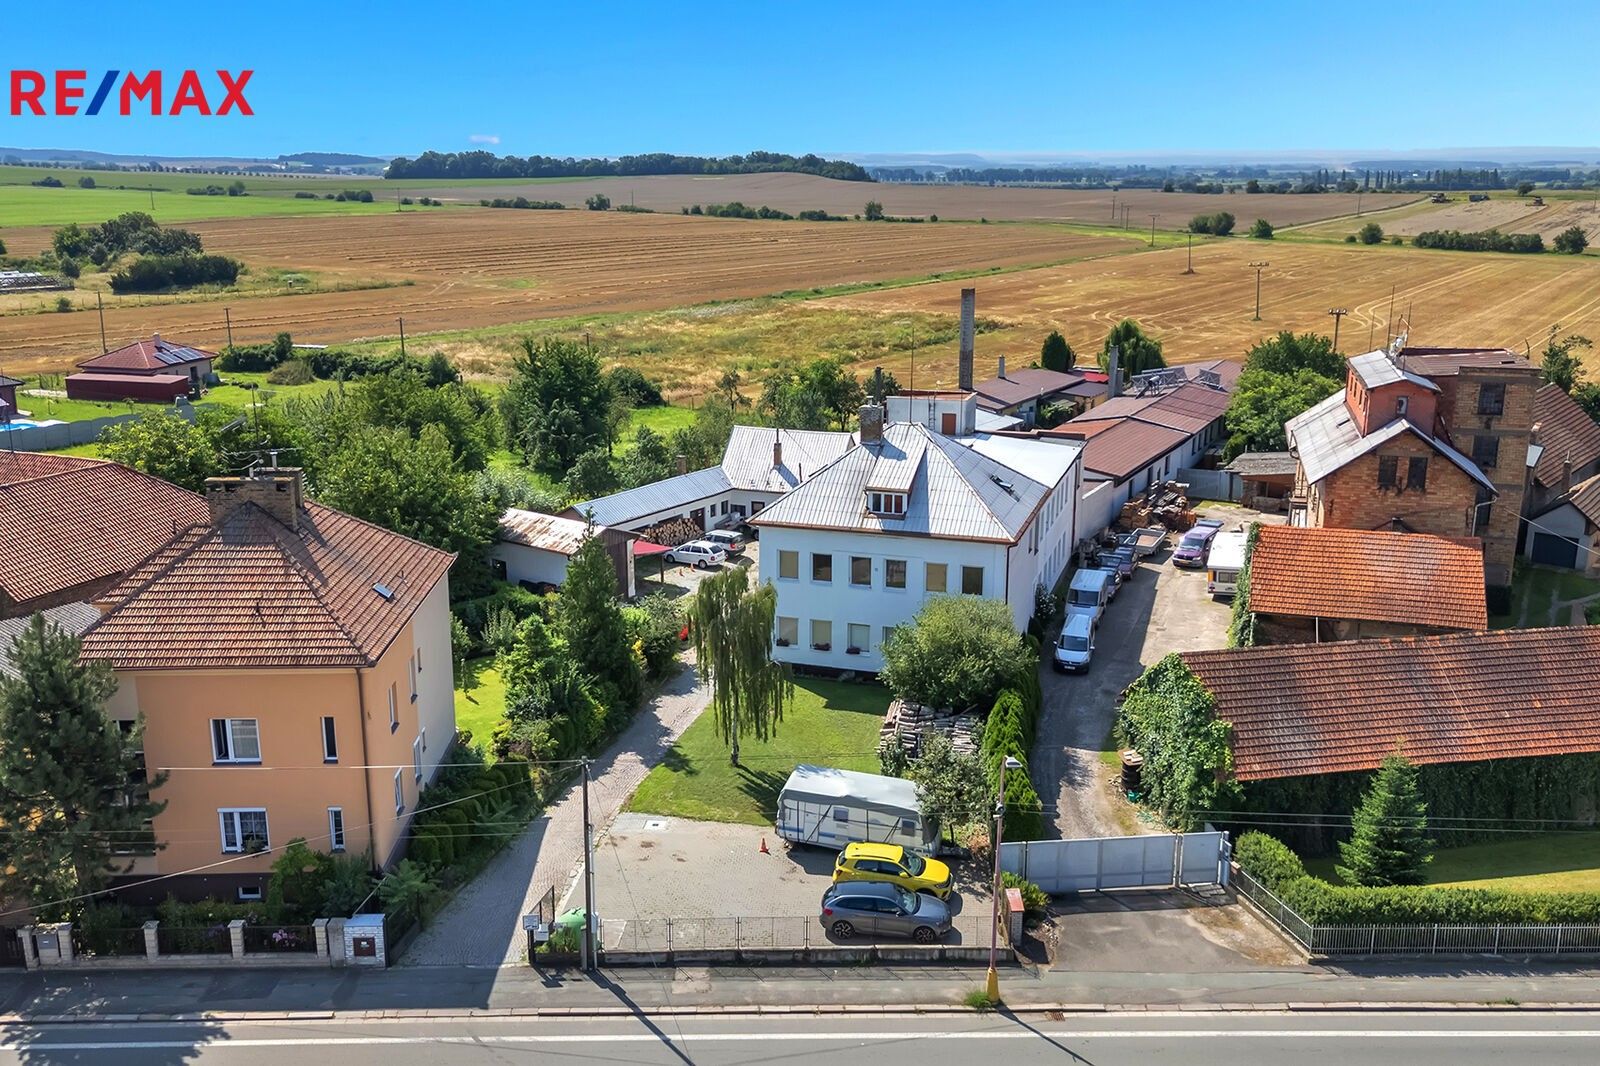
(480, 164)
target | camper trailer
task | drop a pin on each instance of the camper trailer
(831, 808)
(1224, 562)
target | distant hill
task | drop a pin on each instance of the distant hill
(454, 165)
(299, 161)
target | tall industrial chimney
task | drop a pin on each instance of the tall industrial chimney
(969, 306)
(1114, 372)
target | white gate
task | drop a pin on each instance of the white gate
(1100, 864)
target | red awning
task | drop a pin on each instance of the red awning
(644, 547)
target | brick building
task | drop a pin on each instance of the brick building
(1422, 440)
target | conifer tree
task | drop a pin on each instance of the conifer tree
(72, 783)
(1390, 845)
(589, 618)
(1056, 354)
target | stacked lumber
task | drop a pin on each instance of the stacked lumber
(905, 724)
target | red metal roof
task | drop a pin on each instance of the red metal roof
(153, 354)
(1128, 447)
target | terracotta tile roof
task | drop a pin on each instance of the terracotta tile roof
(153, 354)
(253, 593)
(1466, 697)
(67, 521)
(1585, 496)
(1566, 432)
(1372, 575)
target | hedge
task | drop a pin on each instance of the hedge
(1320, 903)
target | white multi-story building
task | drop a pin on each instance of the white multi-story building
(910, 512)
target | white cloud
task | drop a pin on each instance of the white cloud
(484, 138)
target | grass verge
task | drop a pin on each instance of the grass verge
(1543, 862)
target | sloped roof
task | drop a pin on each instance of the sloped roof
(70, 618)
(670, 494)
(544, 531)
(6, 382)
(1465, 697)
(1024, 384)
(747, 460)
(1044, 459)
(1371, 575)
(1262, 464)
(1585, 496)
(67, 521)
(153, 354)
(951, 490)
(1376, 369)
(1566, 432)
(1326, 438)
(1128, 447)
(1442, 362)
(253, 593)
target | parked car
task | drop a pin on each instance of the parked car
(1224, 563)
(1075, 646)
(1089, 592)
(1119, 560)
(878, 909)
(1192, 547)
(697, 553)
(727, 540)
(893, 864)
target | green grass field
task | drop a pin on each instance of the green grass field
(480, 699)
(830, 723)
(1544, 862)
(661, 419)
(23, 205)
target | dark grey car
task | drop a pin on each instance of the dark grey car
(873, 908)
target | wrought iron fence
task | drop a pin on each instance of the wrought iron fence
(762, 933)
(104, 943)
(194, 940)
(279, 939)
(1358, 940)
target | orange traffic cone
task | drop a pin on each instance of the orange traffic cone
(764, 850)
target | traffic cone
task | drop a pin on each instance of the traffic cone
(764, 850)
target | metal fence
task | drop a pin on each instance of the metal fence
(194, 940)
(1099, 864)
(279, 939)
(104, 943)
(1210, 484)
(761, 933)
(1369, 940)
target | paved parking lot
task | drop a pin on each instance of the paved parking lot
(676, 580)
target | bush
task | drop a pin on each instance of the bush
(1219, 224)
(1371, 233)
(959, 651)
(1169, 716)
(1268, 859)
(256, 358)
(1006, 732)
(477, 614)
(69, 266)
(633, 386)
(1571, 241)
(293, 372)
(303, 195)
(156, 272)
(63, 305)
(1486, 241)
(1349, 238)
(598, 202)
(1262, 230)
(1035, 900)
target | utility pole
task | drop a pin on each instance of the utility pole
(1191, 255)
(1337, 313)
(402, 337)
(1153, 217)
(100, 306)
(1258, 266)
(228, 319)
(1358, 203)
(588, 876)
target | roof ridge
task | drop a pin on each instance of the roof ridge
(178, 553)
(941, 441)
(89, 464)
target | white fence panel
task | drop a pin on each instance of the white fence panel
(1099, 864)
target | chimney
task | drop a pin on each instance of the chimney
(871, 424)
(1114, 372)
(155, 338)
(969, 306)
(683, 464)
(777, 452)
(1002, 373)
(1566, 475)
(277, 491)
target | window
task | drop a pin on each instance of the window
(894, 573)
(788, 631)
(244, 829)
(1400, 404)
(1492, 398)
(1388, 471)
(860, 571)
(972, 580)
(789, 565)
(821, 634)
(335, 828)
(330, 740)
(399, 793)
(936, 577)
(394, 715)
(249, 893)
(756, 506)
(411, 665)
(886, 503)
(821, 566)
(1480, 523)
(724, 506)
(888, 631)
(1417, 473)
(1485, 451)
(235, 740)
(841, 814)
(860, 636)
(416, 756)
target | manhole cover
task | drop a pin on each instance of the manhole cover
(655, 825)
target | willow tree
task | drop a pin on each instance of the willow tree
(732, 627)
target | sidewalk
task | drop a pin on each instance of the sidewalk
(482, 925)
(456, 991)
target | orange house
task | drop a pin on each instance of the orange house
(293, 668)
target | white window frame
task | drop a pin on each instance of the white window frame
(849, 630)
(796, 554)
(944, 586)
(794, 623)
(228, 817)
(335, 828)
(418, 746)
(905, 573)
(812, 635)
(394, 713)
(411, 670)
(399, 793)
(330, 738)
(224, 745)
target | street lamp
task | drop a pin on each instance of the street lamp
(993, 988)
(1259, 266)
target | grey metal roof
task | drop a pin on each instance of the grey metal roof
(747, 460)
(672, 494)
(1376, 368)
(988, 421)
(1326, 438)
(70, 618)
(825, 781)
(952, 491)
(1044, 459)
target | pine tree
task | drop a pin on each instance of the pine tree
(732, 628)
(69, 776)
(1056, 354)
(1390, 845)
(590, 620)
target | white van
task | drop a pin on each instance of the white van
(1224, 563)
(1075, 646)
(1089, 593)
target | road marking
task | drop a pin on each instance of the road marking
(222, 1043)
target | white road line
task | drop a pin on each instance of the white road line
(223, 1044)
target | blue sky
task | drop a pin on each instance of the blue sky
(613, 78)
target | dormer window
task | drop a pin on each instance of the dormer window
(886, 503)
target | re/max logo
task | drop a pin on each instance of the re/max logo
(28, 91)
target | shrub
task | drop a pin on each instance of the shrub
(957, 652)
(1035, 900)
(1219, 224)
(1371, 233)
(1571, 241)
(633, 386)
(303, 195)
(1349, 238)
(1262, 230)
(63, 304)
(1486, 241)
(598, 202)
(293, 372)
(1268, 860)
(1024, 811)
(156, 272)
(1169, 716)
(69, 266)
(1006, 732)
(1397, 241)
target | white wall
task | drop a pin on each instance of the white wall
(719, 509)
(436, 688)
(530, 564)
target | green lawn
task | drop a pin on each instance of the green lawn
(26, 205)
(1543, 862)
(830, 724)
(663, 420)
(1535, 591)
(481, 701)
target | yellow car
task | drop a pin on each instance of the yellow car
(895, 865)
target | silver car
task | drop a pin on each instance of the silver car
(878, 909)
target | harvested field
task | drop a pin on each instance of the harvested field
(801, 192)
(1505, 213)
(478, 268)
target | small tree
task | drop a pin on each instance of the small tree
(732, 628)
(1524, 188)
(1056, 354)
(1371, 233)
(408, 893)
(874, 211)
(1390, 843)
(1560, 364)
(598, 202)
(957, 652)
(1139, 351)
(1262, 230)
(1572, 241)
(591, 476)
(951, 786)
(590, 621)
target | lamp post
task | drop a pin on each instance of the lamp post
(992, 990)
(1259, 266)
